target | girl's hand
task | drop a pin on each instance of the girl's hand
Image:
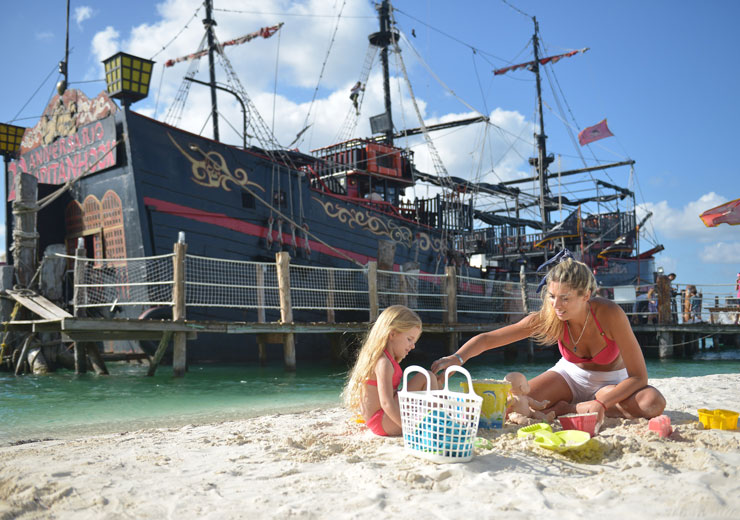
(445, 362)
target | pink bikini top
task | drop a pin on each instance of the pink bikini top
(397, 373)
(605, 356)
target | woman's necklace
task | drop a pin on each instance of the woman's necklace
(575, 343)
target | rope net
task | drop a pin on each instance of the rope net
(477, 296)
(420, 292)
(213, 282)
(328, 288)
(105, 282)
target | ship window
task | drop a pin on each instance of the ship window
(385, 160)
(278, 198)
(247, 200)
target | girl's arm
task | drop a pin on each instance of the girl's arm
(386, 392)
(486, 341)
(616, 324)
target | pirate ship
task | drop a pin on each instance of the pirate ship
(133, 183)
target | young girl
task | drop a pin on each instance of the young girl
(602, 369)
(373, 382)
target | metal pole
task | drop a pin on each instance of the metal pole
(209, 23)
(241, 102)
(541, 137)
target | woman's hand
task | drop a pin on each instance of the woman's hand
(591, 407)
(445, 362)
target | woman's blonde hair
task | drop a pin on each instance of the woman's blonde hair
(395, 318)
(578, 276)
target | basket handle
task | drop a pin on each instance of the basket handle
(415, 368)
(463, 371)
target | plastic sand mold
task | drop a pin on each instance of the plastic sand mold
(439, 425)
(718, 419)
(533, 429)
(561, 441)
(494, 394)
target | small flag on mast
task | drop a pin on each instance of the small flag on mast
(594, 133)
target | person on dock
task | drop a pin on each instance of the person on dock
(372, 386)
(602, 369)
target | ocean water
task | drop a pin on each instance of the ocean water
(66, 405)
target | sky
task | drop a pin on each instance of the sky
(661, 73)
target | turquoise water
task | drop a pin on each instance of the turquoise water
(64, 405)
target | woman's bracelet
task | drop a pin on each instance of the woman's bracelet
(602, 404)
(459, 358)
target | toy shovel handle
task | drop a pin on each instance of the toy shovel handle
(457, 368)
(415, 368)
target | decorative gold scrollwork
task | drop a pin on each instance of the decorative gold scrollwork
(212, 171)
(379, 226)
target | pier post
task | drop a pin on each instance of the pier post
(665, 338)
(261, 347)
(179, 355)
(372, 290)
(80, 356)
(525, 308)
(450, 315)
(286, 309)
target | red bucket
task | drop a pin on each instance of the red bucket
(586, 422)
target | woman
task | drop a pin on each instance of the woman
(602, 369)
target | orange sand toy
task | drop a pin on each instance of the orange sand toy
(661, 425)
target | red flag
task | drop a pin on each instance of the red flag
(594, 133)
(727, 213)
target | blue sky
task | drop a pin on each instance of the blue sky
(661, 72)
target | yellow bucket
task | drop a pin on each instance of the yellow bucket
(494, 394)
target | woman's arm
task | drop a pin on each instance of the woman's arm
(486, 341)
(386, 392)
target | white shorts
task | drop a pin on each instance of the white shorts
(584, 384)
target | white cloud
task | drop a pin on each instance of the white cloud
(81, 14)
(44, 36)
(105, 44)
(684, 222)
(721, 253)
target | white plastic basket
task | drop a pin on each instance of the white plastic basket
(439, 425)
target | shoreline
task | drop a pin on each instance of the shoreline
(320, 463)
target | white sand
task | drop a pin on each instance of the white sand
(320, 464)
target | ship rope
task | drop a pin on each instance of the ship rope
(439, 166)
(261, 130)
(350, 121)
(176, 109)
(299, 140)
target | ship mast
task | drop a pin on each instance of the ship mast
(541, 161)
(382, 39)
(209, 22)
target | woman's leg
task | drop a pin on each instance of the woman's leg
(647, 402)
(552, 386)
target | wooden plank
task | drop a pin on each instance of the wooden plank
(39, 305)
(159, 353)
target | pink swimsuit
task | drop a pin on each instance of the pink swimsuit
(605, 356)
(376, 421)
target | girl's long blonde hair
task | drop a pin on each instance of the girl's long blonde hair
(547, 328)
(395, 318)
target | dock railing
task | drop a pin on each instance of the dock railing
(247, 285)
